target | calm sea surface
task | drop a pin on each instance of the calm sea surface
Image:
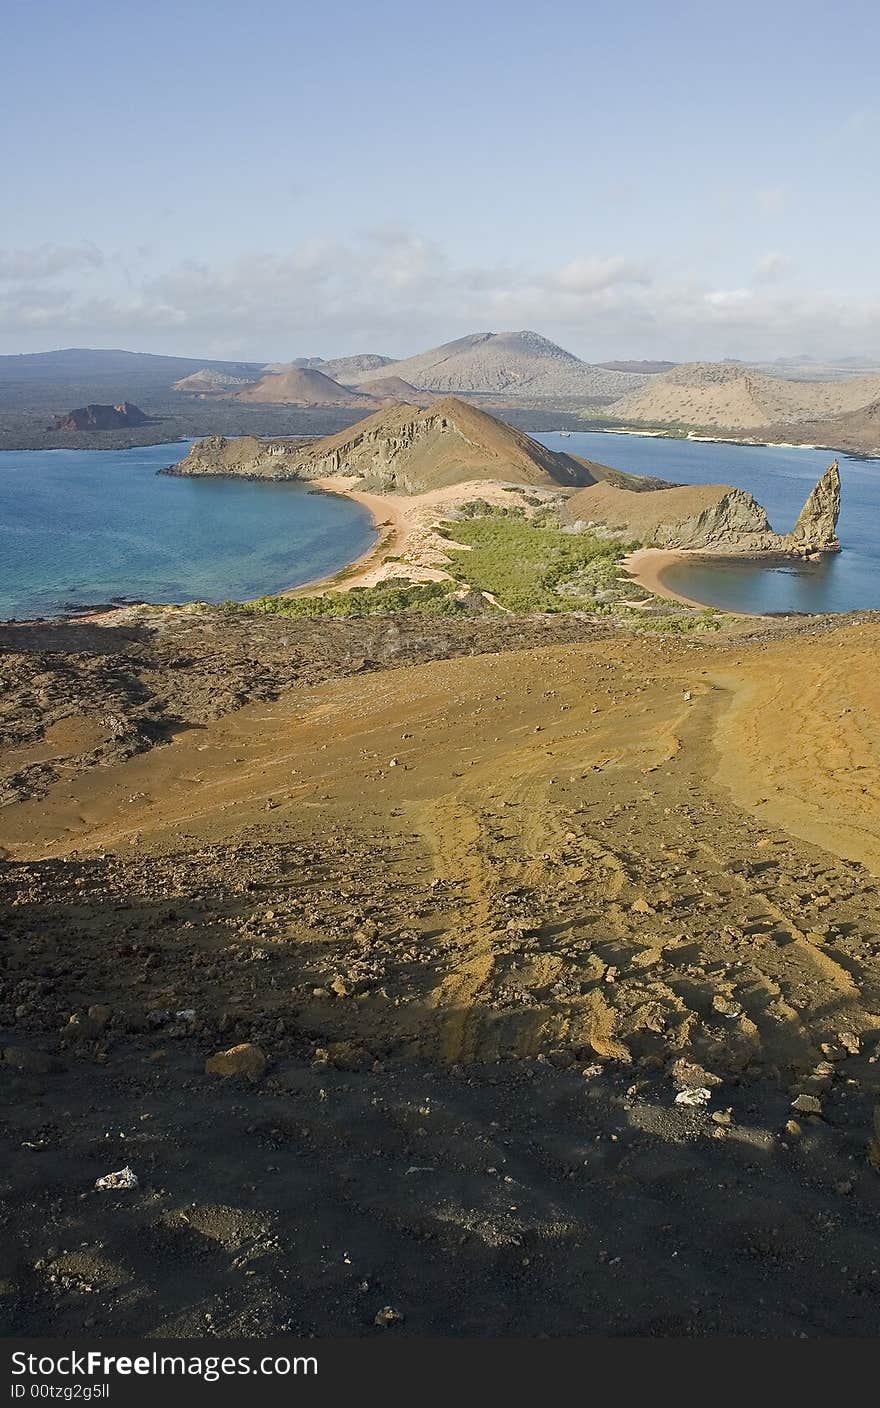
(82, 527)
(780, 479)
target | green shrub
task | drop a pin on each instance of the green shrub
(531, 566)
(396, 594)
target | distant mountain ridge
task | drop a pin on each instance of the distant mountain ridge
(342, 369)
(733, 397)
(349, 370)
(513, 363)
(522, 373)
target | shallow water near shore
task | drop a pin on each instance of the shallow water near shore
(90, 527)
(780, 478)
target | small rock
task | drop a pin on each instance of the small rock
(694, 1095)
(851, 1042)
(81, 1028)
(347, 1056)
(387, 1316)
(725, 1007)
(243, 1060)
(807, 1105)
(792, 1127)
(686, 1073)
(122, 1178)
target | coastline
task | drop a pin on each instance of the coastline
(407, 531)
(407, 543)
(646, 567)
(649, 432)
(389, 521)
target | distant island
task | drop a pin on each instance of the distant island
(522, 377)
(94, 417)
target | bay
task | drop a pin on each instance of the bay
(780, 477)
(88, 527)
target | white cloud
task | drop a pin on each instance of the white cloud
(728, 297)
(45, 261)
(591, 275)
(771, 266)
(392, 291)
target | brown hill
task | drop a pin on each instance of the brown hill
(731, 397)
(94, 417)
(410, 451)
(690, 516)
(858, 431)
(402, 449)
(303, 386)
(710, 517)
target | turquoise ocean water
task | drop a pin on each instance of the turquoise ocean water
(80, 527)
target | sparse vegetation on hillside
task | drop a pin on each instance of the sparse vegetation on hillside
(385, 599)
(526, 565)
(532, 565)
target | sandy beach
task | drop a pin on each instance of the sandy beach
(408, 542)
(647, 565)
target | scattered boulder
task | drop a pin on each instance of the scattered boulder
(243, 1060)
(347, 1056)
(84, 1026)
(387, 1316)
(807, 1105)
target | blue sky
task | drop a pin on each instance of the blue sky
(279, 179)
